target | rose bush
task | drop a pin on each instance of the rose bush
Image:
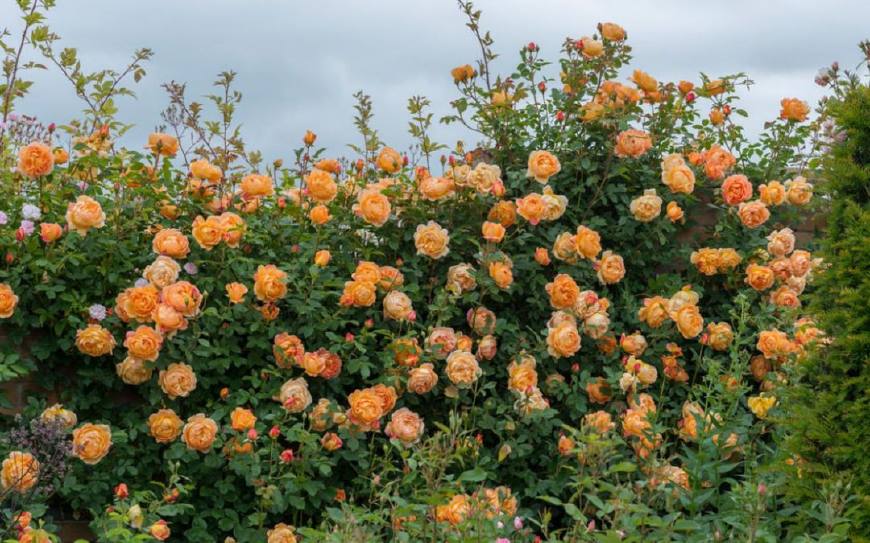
(592, 308)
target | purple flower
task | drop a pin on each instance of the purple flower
(141, 282)
(82, 186)
(191, 268)
(27, 227)
(3, 218)
(30, 212)
(97, 312)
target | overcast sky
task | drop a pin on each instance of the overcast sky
(300, 62)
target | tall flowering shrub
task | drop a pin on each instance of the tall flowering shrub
(593, 306)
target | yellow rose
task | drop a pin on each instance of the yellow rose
(647, 207)
(760, 405)
(432, 240)
(35, 160)
(242, 419)
(164, 426)
(162, 144)
(95, 340)
(689, 321)
(422, 379)
(177, 381)
(83, 214)
(405, 426)
(678, 177)
(20, 472)
(389, 160)
(143, 343)
(542, 165)
(8, 301)
(321, 186)
(373, 206)
(563, 340)
(294, 395)
(270, 283)
(171, 242)
(236, 292)
(610, 268)
(199, 433)
(462, 369)
(91, 442)
(133, 371)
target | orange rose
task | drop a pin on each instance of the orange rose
(441, 341)
(321, 186)
(706, 260)
(389, 160)
(177, 381)
(161, 273)
(319, 215)
(133, 371)
(598, 391)
(644, 81)
(50, 232)
(462, 369)
(503, 212)
(199, 433)
(493, 231)
(563, 292)
(717, 161)
(182, 296)
(715, 87)
(322, 258)
(436, 188)
(634, 344)
(366, 407)
(397, 306)
(689, 321)
(294, 395)
(35, 160)
(330, 165)
(759, 277)
(463, 73)
(677, 175)
(233, 228)
(798, 191)
(422, 379)
(674, 212)
(405, 426)
(599, 421)
(406, 351)
(203, 169)
(542, 166)
(501, 272)
(168, 320)
(281, 533)
(373, 207)
(781, 242)
(236, 292)
(171, 242)
(309, 138)
(611, 268)
(774, 344)
(242, 419)
(358, 294)
(83, 214)
(455, 511)
(542, 256)
(794, 110)
(532, 207)
(753, 214)
(719, 336)
(91, 442)
(208, 232)
(611, 31)
(144, 343)
(654, 311)
(646, 207)
(563, 340)
(587, 242)
(288, 350)
(522, 374)
(800, 263)
(772, 193)
(20, 472)
(8, 301)
(164, 426)
(632, 143)
(270, 283)
(95, 340)
(785, 296)
(432, 240)
(162, 144)
(255, 185)
(160, 530)
(139, 303)
(736, 189)
(390, 278)
(591, 48)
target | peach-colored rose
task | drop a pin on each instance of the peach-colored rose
(138, 303)
(772, 193)
(610, 268)
(405, 426)
(183, 296)
(677, 175)
(753, 214)
(563, 340)
(50, 232)
(436, 188)
(397, 306)
(199, 433)
(209, 232)
(366, 408)
(319, 215)
(177, 381)
(164, 426)
(294, 395)
(143, 343)
(57, 413)
(717, 161)
(501, 273)
(441, 341)
(781, 242)
(800, 263)
(83, 214)
(8, 301)
(233, 228)
(798, 191)
(133, 371)
(160, 273)
(288, 350)
(358, 294)
(242, 419)
(542, 165)
(460, 278)
(373, 206)
(492, 231)
(759, 277)
(674, 212)
(270, 283)
(321, 186)
(390, 278)
(646, 207)
(563, 292)
(599, 421)
(60, 155)
(168, 320)
(162, 144)
(462, 368)
(632, 143)
(171, 242)
(794, 110)
(281, 533)
(487, 347)
(482, 320)
(522, 374)
(611, 31)
(654, 311)
(322, 258)
(736, 189)
(330, 165)
(389, 160)
(774, 344)
(587, 242)
(432, 240)
(94, 340)
(35, 160)
(689, 321)
(644, 81)
(236, 292)
(634, 344)
(406, 351)
(706, 260)
(203, 169)
(255, 185)
(719, 336)
(785, 296)
(532, 207)
(91, 442)
(20, 472)
(591, 48)
(422, 379)
(463, 73)
(503, 212)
